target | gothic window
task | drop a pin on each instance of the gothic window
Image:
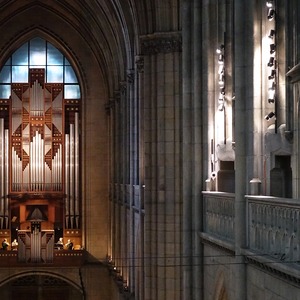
(38, 53)
(39, 137)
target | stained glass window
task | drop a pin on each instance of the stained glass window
(38, 53)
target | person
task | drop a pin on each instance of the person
(60, 244)
(5, 244)
(69, 245)
(14, 245)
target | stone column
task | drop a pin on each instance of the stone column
(187, 220)
(197, 157)
(162, 56)
(243, 65)
(139, 237)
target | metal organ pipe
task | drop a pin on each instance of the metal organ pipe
(38, 168)
(37, 158)
(60, 163)
(16, 171)
(72, 175)
(6, 175)
(77, 169)
(56, 169)
(36, 105)
(72, 163)
(47, 176)
(67, 177)
(30, 165)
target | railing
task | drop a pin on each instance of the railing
(219, 215)
(273, 227)
(61, 258)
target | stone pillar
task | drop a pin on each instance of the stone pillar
(243, 64)
(139, 237)
(197, 158)
(294, 80)
(162, 90)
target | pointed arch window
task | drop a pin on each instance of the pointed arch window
(38, 53)
(40, 139)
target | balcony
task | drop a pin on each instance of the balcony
(61, 258)
(272, 230)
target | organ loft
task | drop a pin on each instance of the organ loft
(39, 167)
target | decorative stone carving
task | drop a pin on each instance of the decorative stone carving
(123, 87)
(219, 216)
(130, 76)
(272, 227)
(277, 142)
(161, 43)
(110, 105)
(139, 62)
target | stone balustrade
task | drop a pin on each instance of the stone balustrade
(272, 224)
(218, 216)
(273, 227)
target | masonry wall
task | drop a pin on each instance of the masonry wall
(220, 277)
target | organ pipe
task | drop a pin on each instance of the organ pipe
(72, 162)
(77, 168)
(35, 245)
(47, 163)
(72, 175)
(6, 175)
(37, 109)
(67, 176)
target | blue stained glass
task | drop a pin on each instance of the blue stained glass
(72, 91)
(55, 74)
(19, 74)
(37, 52)
(70, 76)
(5, 91)
(5, 75)
(67, 62)
(20, 57)
(54, 57)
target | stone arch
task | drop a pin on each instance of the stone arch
(220, 290)
(50, 282)
(98, 72)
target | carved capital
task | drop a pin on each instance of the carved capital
(139, 62)
(161, 43)
(130, 76)
(123, 87)
(110, 105)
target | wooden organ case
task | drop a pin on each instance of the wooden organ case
(39, 167)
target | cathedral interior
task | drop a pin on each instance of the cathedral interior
(149, 150)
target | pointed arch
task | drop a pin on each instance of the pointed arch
(221, 291)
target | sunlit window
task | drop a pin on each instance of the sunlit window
(38, 53)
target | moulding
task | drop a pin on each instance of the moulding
(162, 42)
(294, 74)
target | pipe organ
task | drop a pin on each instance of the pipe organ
(37, 143)
(4, 171)
(40, 155)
